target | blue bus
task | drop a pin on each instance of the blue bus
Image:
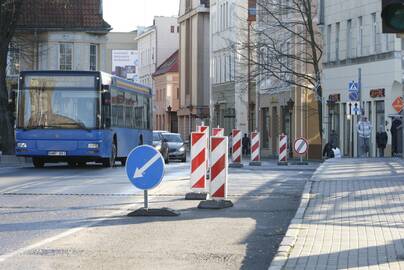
(80, 116)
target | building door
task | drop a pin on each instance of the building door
(174, 122)
(397, 137)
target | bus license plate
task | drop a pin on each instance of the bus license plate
(56, 153)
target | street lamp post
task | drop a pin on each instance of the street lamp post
(290, 104)
(169, 109)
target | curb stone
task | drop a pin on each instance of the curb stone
(296, 225)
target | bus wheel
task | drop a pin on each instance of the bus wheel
(110, 162)
(38, 163)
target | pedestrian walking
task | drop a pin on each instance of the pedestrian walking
(246, 144)
(381, 140)
(364, 129)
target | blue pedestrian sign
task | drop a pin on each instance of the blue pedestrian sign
(145, 167)
(353, 86)
(353, 95)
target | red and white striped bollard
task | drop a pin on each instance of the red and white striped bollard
(236, 155)
(255, 149)
(283, 150)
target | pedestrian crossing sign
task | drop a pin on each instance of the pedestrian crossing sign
(353, 86)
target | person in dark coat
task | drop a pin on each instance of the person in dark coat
(246, 144)
(328, 152)
(381, 140)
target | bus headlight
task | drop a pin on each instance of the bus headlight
(93, 146)
(22, 145)
(182, 149)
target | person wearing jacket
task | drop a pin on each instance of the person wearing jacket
(381, 140)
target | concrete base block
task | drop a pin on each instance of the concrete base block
(236, 165)
(255, 163)
(215, 204)
(300, 163)
(282, 163)
(196, 196)
(156, 212)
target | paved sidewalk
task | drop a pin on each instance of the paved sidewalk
(355, 217)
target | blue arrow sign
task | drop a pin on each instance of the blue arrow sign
(145, 167)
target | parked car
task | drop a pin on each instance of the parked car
(176, 146)
(161, 144)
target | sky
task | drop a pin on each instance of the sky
(126, 15)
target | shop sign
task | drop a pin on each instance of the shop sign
(376, 93)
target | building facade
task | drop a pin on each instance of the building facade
(53, 36)
(357, 50)
(167, 97)
(229, 38)
(155, 44)
(194, 65)
(122, 55)
(288, 99)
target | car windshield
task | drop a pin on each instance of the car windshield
(156, 136)
(173, 138)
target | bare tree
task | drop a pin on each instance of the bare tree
(10, 11)
(286, 48)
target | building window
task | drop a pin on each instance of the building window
(93, 57)
(178, 29)
(13, 60)
(329, 43)
(337, 29)
(349, 39)
(172, 29)
(380, 117)
(374, 32)
(65, 56)
(265, 128)
(360, 36)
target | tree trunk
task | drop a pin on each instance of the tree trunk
(6, 127)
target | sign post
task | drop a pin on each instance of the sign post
(301, 146)
(145, 170)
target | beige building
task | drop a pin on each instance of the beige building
(288, 101)
(167, 95)
(194, 65)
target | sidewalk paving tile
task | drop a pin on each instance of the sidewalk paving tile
(355, 217)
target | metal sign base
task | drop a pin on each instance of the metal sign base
(215, 204)
(255, 163)
(195, 196)
(150, 212)
(236, 165)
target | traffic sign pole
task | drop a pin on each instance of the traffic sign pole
(145, 170)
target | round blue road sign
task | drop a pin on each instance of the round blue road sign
(145, 167)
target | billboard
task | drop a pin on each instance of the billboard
(125, 64)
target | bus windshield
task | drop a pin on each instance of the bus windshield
(60, 108)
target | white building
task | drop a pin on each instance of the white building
(155, 44)
(354, 44)
(228, 69)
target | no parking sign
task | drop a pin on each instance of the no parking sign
(301, 146)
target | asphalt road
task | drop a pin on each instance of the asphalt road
(44, 209)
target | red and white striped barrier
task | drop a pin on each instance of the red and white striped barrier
(218, 132)
(219, 168)
(255, 147)
(283, 150)
(198, 161)
(205, 129)
(236, 148)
